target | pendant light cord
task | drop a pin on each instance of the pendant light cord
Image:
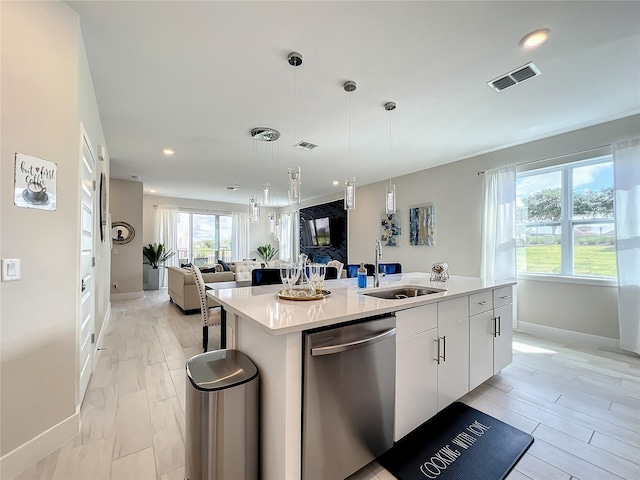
(390, 164)
(350, 133)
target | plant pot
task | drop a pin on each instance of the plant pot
(153, 282)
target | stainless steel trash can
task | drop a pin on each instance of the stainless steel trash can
(221, 417)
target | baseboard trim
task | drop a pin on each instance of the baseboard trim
(26, 455)
(98, 345)
(570, 336)
(126, 296)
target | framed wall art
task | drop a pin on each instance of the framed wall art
(421, 225)
(35, 182)
(391, 229)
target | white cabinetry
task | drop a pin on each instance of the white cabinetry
(503, 339)
(416, 368)
(453, 349)
(490, 334)
(446, 349)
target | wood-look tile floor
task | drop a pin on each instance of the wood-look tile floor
(581, 404)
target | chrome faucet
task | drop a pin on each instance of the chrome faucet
(377, 256)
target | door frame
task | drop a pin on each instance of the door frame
(84, 137)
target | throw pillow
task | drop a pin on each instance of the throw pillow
(225, 265)
(208, 270)
(249, 259)
(185, 265)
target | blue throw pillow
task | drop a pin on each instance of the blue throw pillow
(185, 265)
(225, 266)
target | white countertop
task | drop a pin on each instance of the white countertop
(346, 301)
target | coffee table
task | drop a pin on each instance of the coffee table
(223, 313)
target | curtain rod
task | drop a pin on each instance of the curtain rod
(481, 172)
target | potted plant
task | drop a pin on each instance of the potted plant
(266, 252)
(155, 255)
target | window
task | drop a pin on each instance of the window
(564, 220)
(203, 238)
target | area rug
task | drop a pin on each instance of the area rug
(459, 443)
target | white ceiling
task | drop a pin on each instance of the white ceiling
(197, 76)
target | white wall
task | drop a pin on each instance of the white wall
(38, 314)
(455, 190)
(125, 203)
(258, 233)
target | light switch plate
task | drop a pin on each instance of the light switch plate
(10, 269)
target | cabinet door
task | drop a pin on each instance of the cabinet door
(453, 370)
(480, 348)
(416, 382)
(503, 342)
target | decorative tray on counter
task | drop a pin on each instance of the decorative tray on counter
(302, 295)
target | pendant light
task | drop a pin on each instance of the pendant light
(254, 210)
(350, 181)
(390, 198)
(295, 60)
(272, 222)
(278, 228)
(267, 135)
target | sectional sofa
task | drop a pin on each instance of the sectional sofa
(182, 286)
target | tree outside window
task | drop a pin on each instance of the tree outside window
(565, 220)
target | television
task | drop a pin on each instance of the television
(316, 232)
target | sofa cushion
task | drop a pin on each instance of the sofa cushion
(209, 270)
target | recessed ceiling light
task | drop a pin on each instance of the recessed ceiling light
(168, 151)
(535, 39)
(336, 182)
(151, 190)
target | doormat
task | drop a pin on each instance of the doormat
(459, 443)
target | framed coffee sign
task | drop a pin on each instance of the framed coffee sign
(35, 182)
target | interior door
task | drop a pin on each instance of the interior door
(87, 228)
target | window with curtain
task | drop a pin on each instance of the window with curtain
(565, 220)
(203, 238)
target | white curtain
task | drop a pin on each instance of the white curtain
(289, 236)
(239, 236)
(499, 227)
(626, 165)
(166, 233)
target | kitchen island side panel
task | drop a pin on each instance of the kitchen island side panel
(279, 362)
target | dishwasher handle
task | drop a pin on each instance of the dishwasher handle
(343, 347)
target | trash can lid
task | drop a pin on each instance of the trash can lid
(220, 369)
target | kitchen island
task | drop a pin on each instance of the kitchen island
(270, 331)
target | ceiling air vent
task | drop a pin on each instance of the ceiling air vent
(517, 76)
(305, 145)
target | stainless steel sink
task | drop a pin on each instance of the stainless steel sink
(400, 293)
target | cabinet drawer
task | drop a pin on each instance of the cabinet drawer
(450, 311)
(502, 296)
(480, 302)
(416, 320)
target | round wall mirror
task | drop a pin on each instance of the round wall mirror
(122, 232)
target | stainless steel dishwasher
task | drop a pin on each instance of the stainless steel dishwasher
(348, 397)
